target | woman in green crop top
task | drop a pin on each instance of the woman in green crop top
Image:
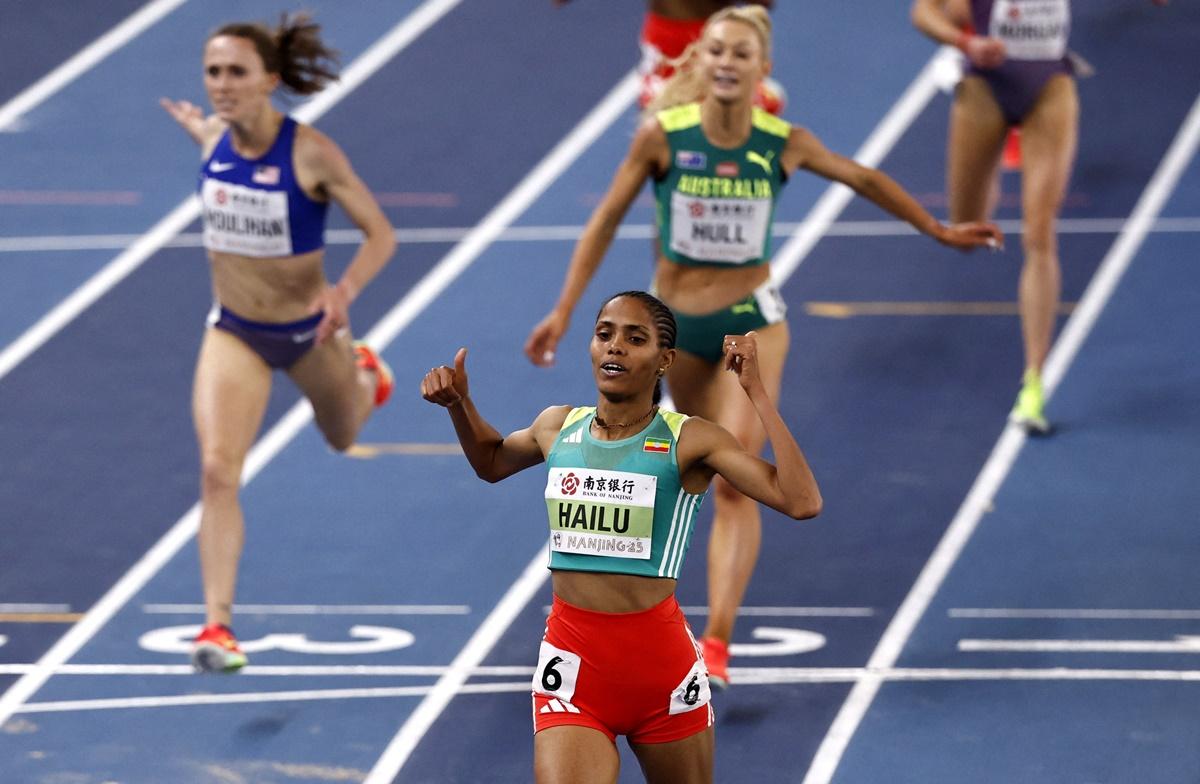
(717, 164)
(626, 457)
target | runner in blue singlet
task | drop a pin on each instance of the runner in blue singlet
(265, 184)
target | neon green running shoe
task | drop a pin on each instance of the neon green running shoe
(215, 649)
(1029, 409)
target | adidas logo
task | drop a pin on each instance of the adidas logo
(557, 706)
(575, 438)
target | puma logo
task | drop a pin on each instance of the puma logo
(764, 162)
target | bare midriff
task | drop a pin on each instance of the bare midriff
(272, 290)
(611, 593)
(700, 290)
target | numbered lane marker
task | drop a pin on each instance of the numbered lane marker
(371, 639)
(783, 642)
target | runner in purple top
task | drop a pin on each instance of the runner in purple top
(1018, 73)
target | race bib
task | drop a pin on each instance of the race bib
(725, 231)
(605, 513)
(245, 221)
(557, 672)
(1031, 29)
(692, 692)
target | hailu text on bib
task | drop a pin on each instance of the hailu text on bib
(598, 512)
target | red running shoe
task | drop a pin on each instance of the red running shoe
(215, 649)
(1011, 159)
(369, 360)
(716, 659)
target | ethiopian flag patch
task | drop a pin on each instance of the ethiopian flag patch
(656, 445)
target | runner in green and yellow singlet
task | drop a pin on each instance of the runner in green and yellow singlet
(718, 165)
(624, 483)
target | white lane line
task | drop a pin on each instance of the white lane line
(745, 676)
(1004, 454)
(261, 697)
(291, 671)
(34, 608)
(188, 210)
(570, 233)
(315, 609)
(618, 100)
(1074, 614)
(770, 676)
(1181, 644)
(83, 61)
(793, 612)
(267, 447)
(835, 198)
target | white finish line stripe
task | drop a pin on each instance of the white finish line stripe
(59, 243)
(1077, 614)
(290, 671)
(979, 499)
(315, 609)
(745, 676)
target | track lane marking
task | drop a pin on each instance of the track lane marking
(439, 235)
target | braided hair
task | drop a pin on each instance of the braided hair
(293, 50)
(664, 323)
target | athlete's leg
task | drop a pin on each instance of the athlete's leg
(977, 129)
(574, 755)
(1049, 140)
(229, 395)
(705, 389)
(687, 761)
(342, 394)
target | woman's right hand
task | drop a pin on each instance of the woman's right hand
(542, 341)
(984, 52)
(189, 116)
(447, 386)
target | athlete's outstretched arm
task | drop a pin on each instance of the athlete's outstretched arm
(805, 151)
(493, 456)
(787, 486)
(647, 155)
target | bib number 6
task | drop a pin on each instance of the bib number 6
(557, 672)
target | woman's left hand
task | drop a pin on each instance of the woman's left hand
(969, 236)
(334, 303)
(741, 357)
